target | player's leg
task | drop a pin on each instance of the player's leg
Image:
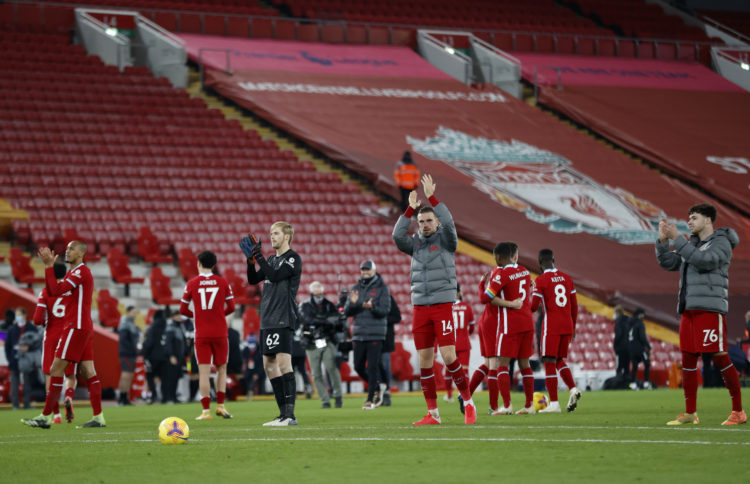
(424, 341)
(478, 376)
(221, 391)
(527, 376)
(220, 352)
(71, 382)
(271, 367)
(690, 354)
(284, 361)
(732, 382)
(448, 397)
(503, 350)
(95, 392)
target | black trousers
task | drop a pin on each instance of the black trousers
(367, 362)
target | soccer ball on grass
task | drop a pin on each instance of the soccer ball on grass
(540, 401)
(173, 430)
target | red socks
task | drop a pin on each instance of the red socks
(427, 381)
(448, 384)
(206, 402)
(503, 382)
(53, 395)
(95, 394)
(477, 378)
(220, 396)
(459, 378)
(528, 385)
(690, 380)
(493, 387)
(566, 374)
(70, 393)
(731, 379)
(550, 379)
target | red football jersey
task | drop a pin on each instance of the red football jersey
(510, 283)
(557, 295)
(463, 317)
(80, 284)
(51, 311)
(212, 301)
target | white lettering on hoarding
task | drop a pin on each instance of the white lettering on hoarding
(371, 92)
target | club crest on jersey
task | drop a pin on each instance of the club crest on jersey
(545, 187)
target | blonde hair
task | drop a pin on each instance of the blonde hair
(285, 227)
(315, 285)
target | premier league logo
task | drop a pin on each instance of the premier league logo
(545, 187)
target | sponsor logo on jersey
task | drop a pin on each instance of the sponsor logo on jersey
(545, 187)
(704, 247)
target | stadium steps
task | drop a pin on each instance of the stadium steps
(249, 123)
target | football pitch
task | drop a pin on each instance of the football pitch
(614, 436)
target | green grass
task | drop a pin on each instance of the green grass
(616, 436)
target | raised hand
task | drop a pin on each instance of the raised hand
(354, 296)
(413, 200)
(47, 256)
(428, 185)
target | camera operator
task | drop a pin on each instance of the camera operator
(369, 303)
(320, 319)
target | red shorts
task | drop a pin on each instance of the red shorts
(433, 324)
(205, 348)
(703, 332)
(463, 358)
(555, 345)
(48, 354)
(75, 345)
(488, 337)
(515, 345)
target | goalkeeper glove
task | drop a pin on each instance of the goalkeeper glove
(247, 247)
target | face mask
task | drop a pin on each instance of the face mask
(317, 299)
(20, 320)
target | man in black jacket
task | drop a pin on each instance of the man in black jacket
(319, 318)
(639, 349)
(154, 356)
(174, 347)
(389, 346)
(622, 353)
(369, 303)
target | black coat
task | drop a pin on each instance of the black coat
(622, 327)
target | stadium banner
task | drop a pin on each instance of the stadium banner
(618, 71)
(232, 53)
(506, 171)
(697, 136)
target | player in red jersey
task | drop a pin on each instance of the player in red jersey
(511, 281)
(489, 324)
(213, 301)
(555, 292)
(463, 324)
(75, 345)
(50, 312)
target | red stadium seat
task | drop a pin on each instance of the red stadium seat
(148, 247)
(109, 314)
(118, 266)
(21, 268)
(188, 263)
(161, 292)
